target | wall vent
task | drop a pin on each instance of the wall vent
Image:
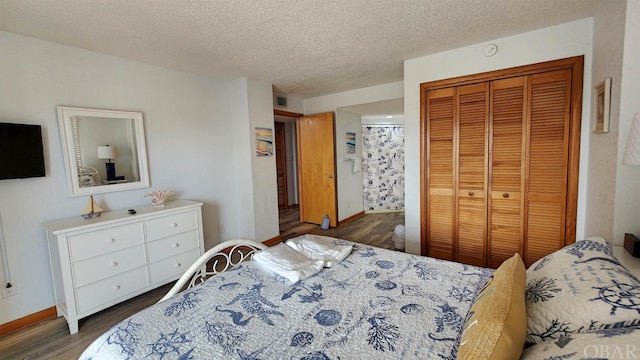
(281, 101)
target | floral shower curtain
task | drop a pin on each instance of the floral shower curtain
(383, 167)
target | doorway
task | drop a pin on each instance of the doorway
(383, 167)
(349, 177)
(285, 143)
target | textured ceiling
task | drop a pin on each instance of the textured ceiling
(304, 48)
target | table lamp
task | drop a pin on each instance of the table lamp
(109, 152)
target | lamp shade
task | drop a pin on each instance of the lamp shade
(107, 152)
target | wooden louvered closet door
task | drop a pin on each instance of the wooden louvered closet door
(457, 174)
(548, 156)
(441, 173)
(507, 168)
(501, 160)
(471, 164)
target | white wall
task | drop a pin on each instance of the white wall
(566, 40)
(366, 95)
(350, 195)
(265, 186)
(187, 128)
(608, 42)
(627, 204)
(243, 150)
(294, 104)
(256, 214)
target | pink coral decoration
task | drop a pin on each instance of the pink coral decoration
(160, 197)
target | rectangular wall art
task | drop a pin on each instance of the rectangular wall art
(264, 142)
(601, 113)
(351, 143)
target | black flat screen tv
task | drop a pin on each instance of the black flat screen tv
(21, 152)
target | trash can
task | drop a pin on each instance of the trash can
(398, 237)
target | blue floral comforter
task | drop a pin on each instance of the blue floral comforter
(376, 304)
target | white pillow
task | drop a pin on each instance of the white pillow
(618, 343)
(579, 288)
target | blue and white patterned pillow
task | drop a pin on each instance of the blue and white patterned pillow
(580, 288)
(618, 343)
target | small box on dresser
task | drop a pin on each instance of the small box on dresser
(103, 261)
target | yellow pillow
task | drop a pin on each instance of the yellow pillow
(496, 325)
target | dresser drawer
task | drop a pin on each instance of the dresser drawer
(172, 245)
(109, 289)
(170, 225)
(102, 241)
(173, 266)
(103, 266)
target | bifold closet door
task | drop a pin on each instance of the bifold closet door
(457, 173)
(470, 229)
(507, 168)
(548, 163)
(440, 177)
(501, 151)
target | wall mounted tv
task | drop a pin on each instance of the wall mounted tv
(21, 153)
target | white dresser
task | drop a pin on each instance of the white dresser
(100, 262)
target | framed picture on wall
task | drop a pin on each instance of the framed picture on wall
(351, 142)
(264, 142)
(603, 103)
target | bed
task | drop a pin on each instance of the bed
(383, 304)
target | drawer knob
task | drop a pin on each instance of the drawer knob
(505, 195)
(112, 240)
(117, 287)
(175, 245)
(471, 193)
(173, 225)
(177, 264)
(114, 264)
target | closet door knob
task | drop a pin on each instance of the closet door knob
(505, 195)
(471, 193)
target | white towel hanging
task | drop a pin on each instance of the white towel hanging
(357, 165)
(357, 162)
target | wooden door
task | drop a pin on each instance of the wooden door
(316, 168)
(440, 121)
(471, 176)
(547, 172)
(281, 165)
(507, 167)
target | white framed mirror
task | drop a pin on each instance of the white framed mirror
(104, 150)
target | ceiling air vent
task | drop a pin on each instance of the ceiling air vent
(281, 101)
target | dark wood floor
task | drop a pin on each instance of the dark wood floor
(51, 340)
(373, 229)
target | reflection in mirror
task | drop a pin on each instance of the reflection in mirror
(116, 139)
(104, 150)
